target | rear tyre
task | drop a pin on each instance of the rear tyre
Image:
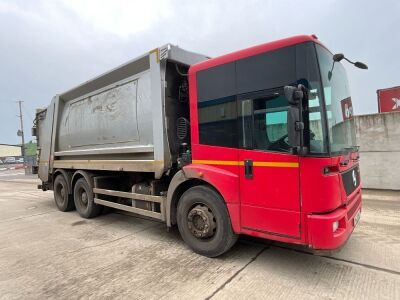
(61, 194)
(84, 201)
(204, 222)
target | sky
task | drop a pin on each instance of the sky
(48, 47)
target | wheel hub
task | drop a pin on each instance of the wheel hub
(201, 222)
(84, 197)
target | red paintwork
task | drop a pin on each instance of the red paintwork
(389, 99)
(224, 178)
(294, 205)
(320, 193)
(320, 226)
(272, 195)
(251, 52)
(226, 181)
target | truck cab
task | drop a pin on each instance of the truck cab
(291, 178)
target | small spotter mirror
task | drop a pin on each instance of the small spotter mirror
(361, 65)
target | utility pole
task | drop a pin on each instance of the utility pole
(21, 131)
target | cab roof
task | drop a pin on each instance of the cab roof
(233, 56)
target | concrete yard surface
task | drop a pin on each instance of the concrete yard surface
(45, 253)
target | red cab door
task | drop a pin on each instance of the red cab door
(268, 172)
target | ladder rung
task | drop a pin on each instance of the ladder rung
(135, 210)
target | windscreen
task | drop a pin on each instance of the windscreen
(339, 109)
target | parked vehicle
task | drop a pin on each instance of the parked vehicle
(254, 142)
(10, 160)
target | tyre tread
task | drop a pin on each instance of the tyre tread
(227, 240)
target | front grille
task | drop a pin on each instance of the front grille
(351, 179)
(353, 209)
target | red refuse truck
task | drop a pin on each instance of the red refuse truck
(257, 142)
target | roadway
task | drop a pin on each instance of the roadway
(45, 253)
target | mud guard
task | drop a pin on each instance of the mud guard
(226, 183)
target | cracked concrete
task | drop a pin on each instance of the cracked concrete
(45, 253)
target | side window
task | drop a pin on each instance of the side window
(262, 108)
(217, 109)
(227, 118)
(217, 122)
(263, 122)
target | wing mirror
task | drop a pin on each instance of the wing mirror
(295, 124)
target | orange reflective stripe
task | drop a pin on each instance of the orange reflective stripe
(279, 164)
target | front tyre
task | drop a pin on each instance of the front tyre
(204, 222)
(84, 200)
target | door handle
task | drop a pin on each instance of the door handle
(248, 168)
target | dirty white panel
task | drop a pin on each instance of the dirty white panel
(105, 118)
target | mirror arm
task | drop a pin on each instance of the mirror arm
(300, 125)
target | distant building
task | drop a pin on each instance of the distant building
(10, 150)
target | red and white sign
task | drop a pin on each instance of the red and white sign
(389, 99)
(347, 108)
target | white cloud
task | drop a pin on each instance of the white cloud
(123, 18)
(12, 8)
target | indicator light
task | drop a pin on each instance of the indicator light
(335, 226)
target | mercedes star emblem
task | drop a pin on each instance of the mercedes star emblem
(354, 177)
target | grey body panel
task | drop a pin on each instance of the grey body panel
(99, 120)
(44, 124)
(116, 121)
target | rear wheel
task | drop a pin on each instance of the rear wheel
(61, 194)
(204, 222)
(84, 201)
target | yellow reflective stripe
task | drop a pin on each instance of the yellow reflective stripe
(276, 164)
(216, 162)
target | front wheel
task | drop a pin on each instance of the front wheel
(204, 222)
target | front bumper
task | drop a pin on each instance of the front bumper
(320, 227)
